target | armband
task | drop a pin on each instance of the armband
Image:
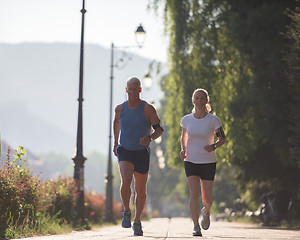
(220, 133)
(155, 126)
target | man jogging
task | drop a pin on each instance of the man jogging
(132, 122)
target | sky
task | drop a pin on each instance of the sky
(106, 21)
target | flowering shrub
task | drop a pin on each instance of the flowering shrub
(24, 199)
(117, 206)
(58, 197)
(94, 207)
(18, 192)
(27, 203)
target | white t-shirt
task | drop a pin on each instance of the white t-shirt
(200, 133)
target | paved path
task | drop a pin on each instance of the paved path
(179, 228)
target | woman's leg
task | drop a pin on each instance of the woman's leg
(194, 186)
(206, 189)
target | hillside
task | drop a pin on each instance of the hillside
(39, 90)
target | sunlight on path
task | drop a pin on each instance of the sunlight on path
(179, 228)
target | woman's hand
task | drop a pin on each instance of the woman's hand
(182, 154)
(209, 148)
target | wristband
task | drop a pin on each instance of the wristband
(214, 146)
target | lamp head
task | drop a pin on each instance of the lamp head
(140, 35)
(147, 80)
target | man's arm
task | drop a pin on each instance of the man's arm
(151, 116)
(117, 127)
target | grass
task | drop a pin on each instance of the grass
(43, 226)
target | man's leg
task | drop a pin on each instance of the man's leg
(140, 182)
(126, 171)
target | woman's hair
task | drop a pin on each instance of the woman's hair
(208, 107)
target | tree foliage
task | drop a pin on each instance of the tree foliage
(236, 49)
(292, 71)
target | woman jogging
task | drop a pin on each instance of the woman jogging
(197, 151)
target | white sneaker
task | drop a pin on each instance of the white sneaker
(205, 223)
(197, 231)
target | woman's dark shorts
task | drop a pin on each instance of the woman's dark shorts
(140, 158)
(206, 171)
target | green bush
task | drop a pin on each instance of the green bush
(25, 201)
(18, 192)
(30, 206)
(60, 196)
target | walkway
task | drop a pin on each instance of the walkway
(179, 228)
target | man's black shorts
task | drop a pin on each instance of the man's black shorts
(140, 158)
(206, 171)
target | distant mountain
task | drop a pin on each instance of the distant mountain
(39, 90)
(22, 127)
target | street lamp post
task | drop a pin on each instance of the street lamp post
(109, 217)
(79, 159)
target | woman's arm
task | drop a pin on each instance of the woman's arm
(183, 141)
(221, 140)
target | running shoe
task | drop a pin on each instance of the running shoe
(137, 228)
(197, 231)
(205, 220)
(126, 222)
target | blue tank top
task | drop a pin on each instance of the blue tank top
(134, 125)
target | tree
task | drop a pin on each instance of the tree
(234, 49)
(255, 29)
(292, 60)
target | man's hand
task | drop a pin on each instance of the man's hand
(115, 149)
(145, 140)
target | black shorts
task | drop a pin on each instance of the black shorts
(206, 171)
(140, 158)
